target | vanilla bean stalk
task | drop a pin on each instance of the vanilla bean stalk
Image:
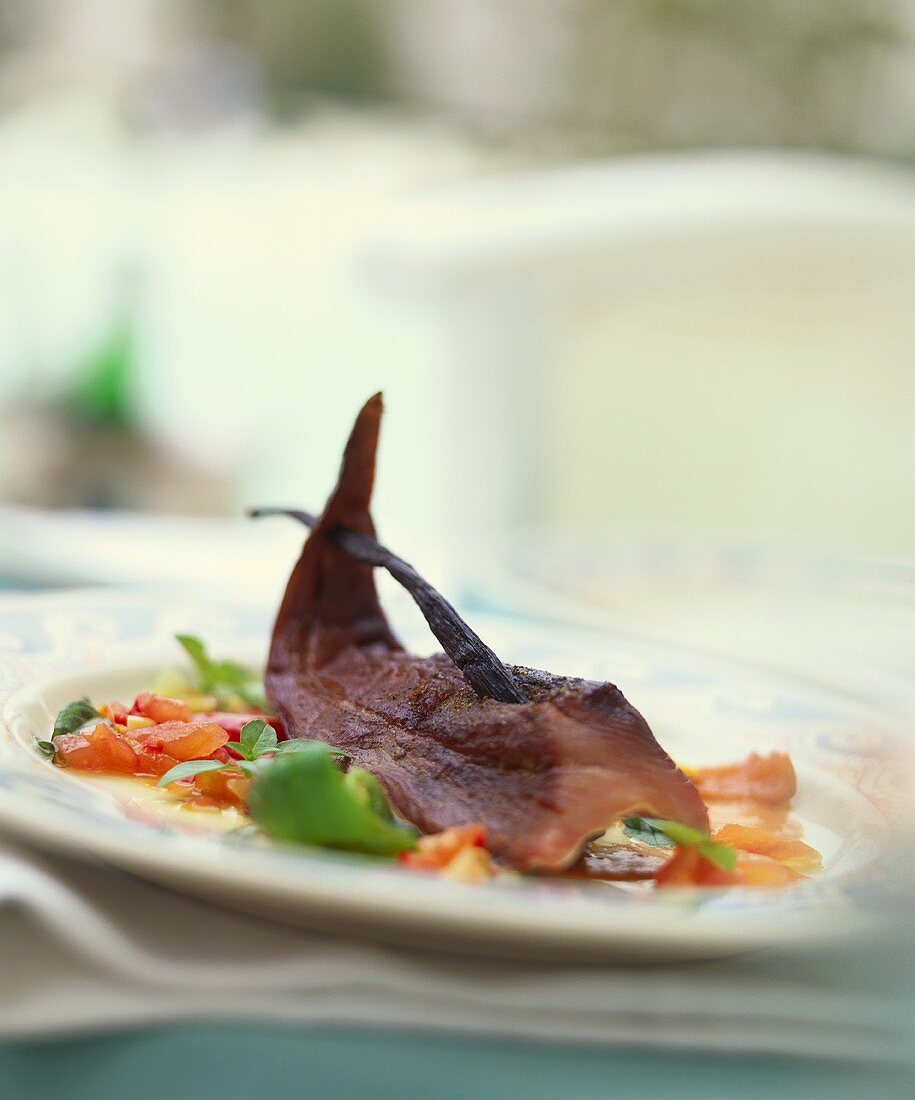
(482, 669)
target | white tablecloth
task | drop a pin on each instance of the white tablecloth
(85, 947)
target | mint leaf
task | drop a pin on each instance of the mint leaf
(257, 737)
(637, 828)
(305, 798)
(224, 679)
(722, 855)
(188, 768)
(196, 650)
(297, 744)
(367, 788)
(684, 835)
(46, 748)
(73, 716)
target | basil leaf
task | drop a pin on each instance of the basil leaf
(73, 716)
(297, 744)
(722, 855)
(684, 835)
(196, 650)
(305, 798)
(224, 679)
(637, 828)
(257, 737)
(188, 768)
(46, 748)
(367, 788)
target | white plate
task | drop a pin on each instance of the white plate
(107, 643)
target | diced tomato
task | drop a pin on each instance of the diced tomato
(151, 760)
(232, 723)
(161, 709)
(99, 749)
(689, 867)
(763, 871)
(769, 780)
(223, 788)
(437, 850)
(116, 711)
(746, 838)
(183, 740)
(471, 864)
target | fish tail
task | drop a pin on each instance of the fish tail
(331, 599)
(348, 504)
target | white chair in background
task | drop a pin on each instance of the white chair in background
(712, 344)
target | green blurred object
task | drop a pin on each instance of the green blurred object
(306, 799)
(334, 47)
(103, 393)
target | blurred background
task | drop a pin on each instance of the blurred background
(635, 276)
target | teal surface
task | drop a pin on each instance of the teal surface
(230, 1062)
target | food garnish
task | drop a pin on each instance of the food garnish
(482, 669)
(666, 833)
(226, 680)
(257, 741)
(74, 715)
(790, 851)
(306, 798)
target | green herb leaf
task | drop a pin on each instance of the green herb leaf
(369, 791)
(188, 768)
(224, 679)
(257, 737)
(46, 748)
(684, 835)
(643, 828)
(265, 742)
(197, 652)
(637, 828)
(73, 716)
(722, 855)
(297, 744)
(304, 797)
